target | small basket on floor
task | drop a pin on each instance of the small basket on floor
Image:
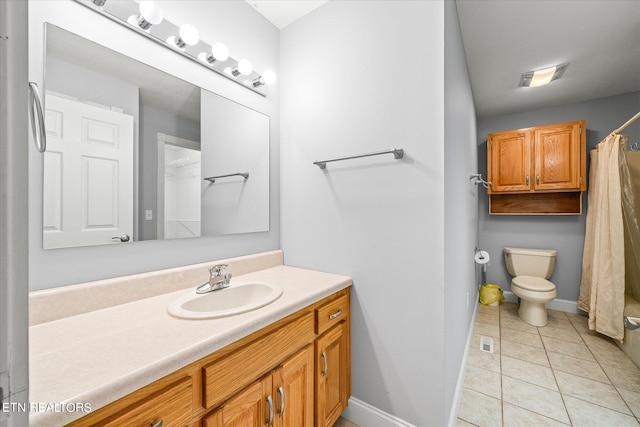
(491, 294)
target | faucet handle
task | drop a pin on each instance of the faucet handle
(216, 270)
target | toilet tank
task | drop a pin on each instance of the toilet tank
(530, 262)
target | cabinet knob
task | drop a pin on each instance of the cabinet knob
(336, 314)
(527, 181)
(538, 179)
(157, 423)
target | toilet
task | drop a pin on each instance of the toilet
(530, 269)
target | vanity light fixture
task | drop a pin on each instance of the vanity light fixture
(188, 35)
(150, 14)
(543, 76)
(146, 18)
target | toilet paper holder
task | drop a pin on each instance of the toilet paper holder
(479, 180)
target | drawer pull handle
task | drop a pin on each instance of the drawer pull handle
(282, 401)
(538, 179)
(324, 361)
(157, 423)
(336, 314)
(527, 181)
(270, 403)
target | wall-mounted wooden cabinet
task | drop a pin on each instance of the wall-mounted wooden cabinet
(525, 164)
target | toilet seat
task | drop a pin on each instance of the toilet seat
(533, 284)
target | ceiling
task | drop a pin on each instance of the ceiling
(283, 12)
(600, 39)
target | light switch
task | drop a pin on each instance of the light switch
(148, 215)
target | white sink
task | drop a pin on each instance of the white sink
(239, 297)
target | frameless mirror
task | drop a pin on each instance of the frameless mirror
(128, 146)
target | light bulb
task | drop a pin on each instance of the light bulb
(189, 35)
(220, 51)
(269, 77)
(245, 67)
(150, 14)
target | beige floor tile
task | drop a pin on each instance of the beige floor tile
(494, 311)
(579, 367)
(591, 391)
(488, 330)
(462, 423)
(525, 352)
(557, 314)
(475, 343)
(521, 337)
(585, 414)
(483, 381)
(534, 398)
(560, 333)
(343, 422)
(480, 409)
(613, 356)
(632, 399)
(488, 318)
(578, 350)
(529, 372)
(596, 340)
(517, 324)
(560, 322)
(514, 416)
(624, 378)
(481, 359)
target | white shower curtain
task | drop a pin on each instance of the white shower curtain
(603, 266)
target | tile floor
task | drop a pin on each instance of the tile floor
(343, 422)
(557, 375)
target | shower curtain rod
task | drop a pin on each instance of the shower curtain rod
(631, 120)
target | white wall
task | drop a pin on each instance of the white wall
(247, 34)
(563, 233)
(361, 76)
(460, 204)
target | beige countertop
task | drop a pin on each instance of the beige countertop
(103, 355)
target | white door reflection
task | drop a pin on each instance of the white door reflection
(179, 176)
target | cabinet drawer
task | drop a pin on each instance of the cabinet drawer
(331, 313)
(171, 405)
(234, 372)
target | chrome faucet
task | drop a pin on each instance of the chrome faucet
(217, 281)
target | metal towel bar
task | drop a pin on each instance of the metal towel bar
(213, 178)
(398, 153)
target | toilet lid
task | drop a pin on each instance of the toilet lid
(531, 283)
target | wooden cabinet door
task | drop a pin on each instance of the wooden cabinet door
(249, 408)
(509, 161)
(558, 157)
(331, 375)
(293, 390)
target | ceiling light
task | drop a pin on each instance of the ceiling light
(543, 76)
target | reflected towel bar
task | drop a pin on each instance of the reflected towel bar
(398, 153)
(213, 178)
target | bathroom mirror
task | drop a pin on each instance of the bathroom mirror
(127, 151)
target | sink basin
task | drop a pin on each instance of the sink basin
(239, 297)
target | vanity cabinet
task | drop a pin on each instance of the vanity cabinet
(294, 373)
(283, 398)
(525, 166)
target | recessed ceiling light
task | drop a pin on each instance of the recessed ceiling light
(543, 76)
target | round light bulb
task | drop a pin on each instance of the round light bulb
(245, 67)
(269, 77)
(189, 34)
(151, 12)
(220, 51)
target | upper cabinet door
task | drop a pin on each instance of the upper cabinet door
(509, 161)
(558, 154)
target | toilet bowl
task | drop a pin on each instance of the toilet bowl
(530, 269)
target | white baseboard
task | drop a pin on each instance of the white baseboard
(453, 415)
(556, 304)
(366, 415)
